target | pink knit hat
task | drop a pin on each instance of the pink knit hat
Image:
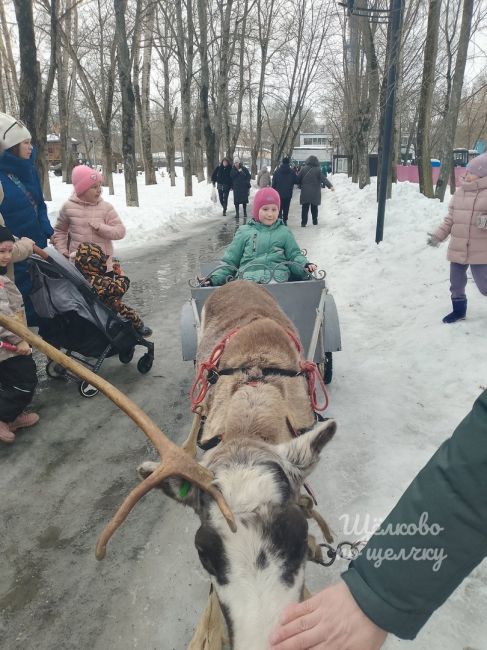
(478, 165)
(84, 177)
(265, 196)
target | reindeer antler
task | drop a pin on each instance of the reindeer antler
(174, 460)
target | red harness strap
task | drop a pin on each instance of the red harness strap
(201, 385)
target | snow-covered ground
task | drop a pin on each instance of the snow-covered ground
(403, 380)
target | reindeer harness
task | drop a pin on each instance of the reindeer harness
(208, 374)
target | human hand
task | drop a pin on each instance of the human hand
(311, 267)
(23, 348)
(204, 282)
(482, 221)
(433, 240)
(329, 620)
(28, 240)
(94, 225)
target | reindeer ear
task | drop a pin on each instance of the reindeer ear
(176, 488)
(304, 452)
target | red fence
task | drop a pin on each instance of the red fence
(410, 173)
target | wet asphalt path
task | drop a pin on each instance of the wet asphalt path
(62, 481)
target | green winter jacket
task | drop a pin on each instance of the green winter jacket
(400, 579)
(258, 252)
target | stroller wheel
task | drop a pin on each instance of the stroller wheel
(144, 364)
(127, 356)
(55, 370)
(87, 390)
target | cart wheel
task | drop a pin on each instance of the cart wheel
(127, 356)
(326, 368)
(87, 390)
(55, 370)
(144, 364)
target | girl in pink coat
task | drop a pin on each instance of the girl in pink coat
(466, 223)
(86, 217)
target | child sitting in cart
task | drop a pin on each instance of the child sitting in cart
(18, 376)
(264, 249)
(110, 286)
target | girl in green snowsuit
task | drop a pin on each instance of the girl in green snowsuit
(263, 249)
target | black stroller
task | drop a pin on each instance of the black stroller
(74, 318)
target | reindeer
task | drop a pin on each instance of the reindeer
(256, 402)
(253, 537)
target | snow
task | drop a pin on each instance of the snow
(403, 380)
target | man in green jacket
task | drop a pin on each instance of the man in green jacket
(434, 537)
(265, 248)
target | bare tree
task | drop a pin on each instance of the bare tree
(453, 103)
(128, 105)
(33, 99)
(427, 86)
(9, 85)
(143, 39)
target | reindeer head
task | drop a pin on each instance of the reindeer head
(258, 569)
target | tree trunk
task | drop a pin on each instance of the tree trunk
(142, 92)
(106, 139)
(208, 132)
(447, 135)
(128, 106)
(185, 60)
(426, 97)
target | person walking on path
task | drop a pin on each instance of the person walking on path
(240, 177)
(434, 537)
(466, 223)
(283, 180)
(23, 207)
(86, 217)
(221, 179)
(263, 177)
(310, 180)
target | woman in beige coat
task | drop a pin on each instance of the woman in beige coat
(466, 223)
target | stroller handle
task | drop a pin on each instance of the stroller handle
(40, 252)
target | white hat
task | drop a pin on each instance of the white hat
(12, 132)
(236, 160)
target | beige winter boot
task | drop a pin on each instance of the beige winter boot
(6, 435)
(23, 421)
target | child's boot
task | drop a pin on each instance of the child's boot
(459, 310)
(6, 435)
(23, 421)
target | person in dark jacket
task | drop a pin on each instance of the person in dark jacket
(284, 180)
(310, 180)
(221, 178)
(433, 538)
(23, 207)
(240, 177)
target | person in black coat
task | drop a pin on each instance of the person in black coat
(240, 176)
(311, 180)
(221, 178)
(284, 180)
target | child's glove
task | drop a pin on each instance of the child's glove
(482, 221)
(205, 282)
(433, 240)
